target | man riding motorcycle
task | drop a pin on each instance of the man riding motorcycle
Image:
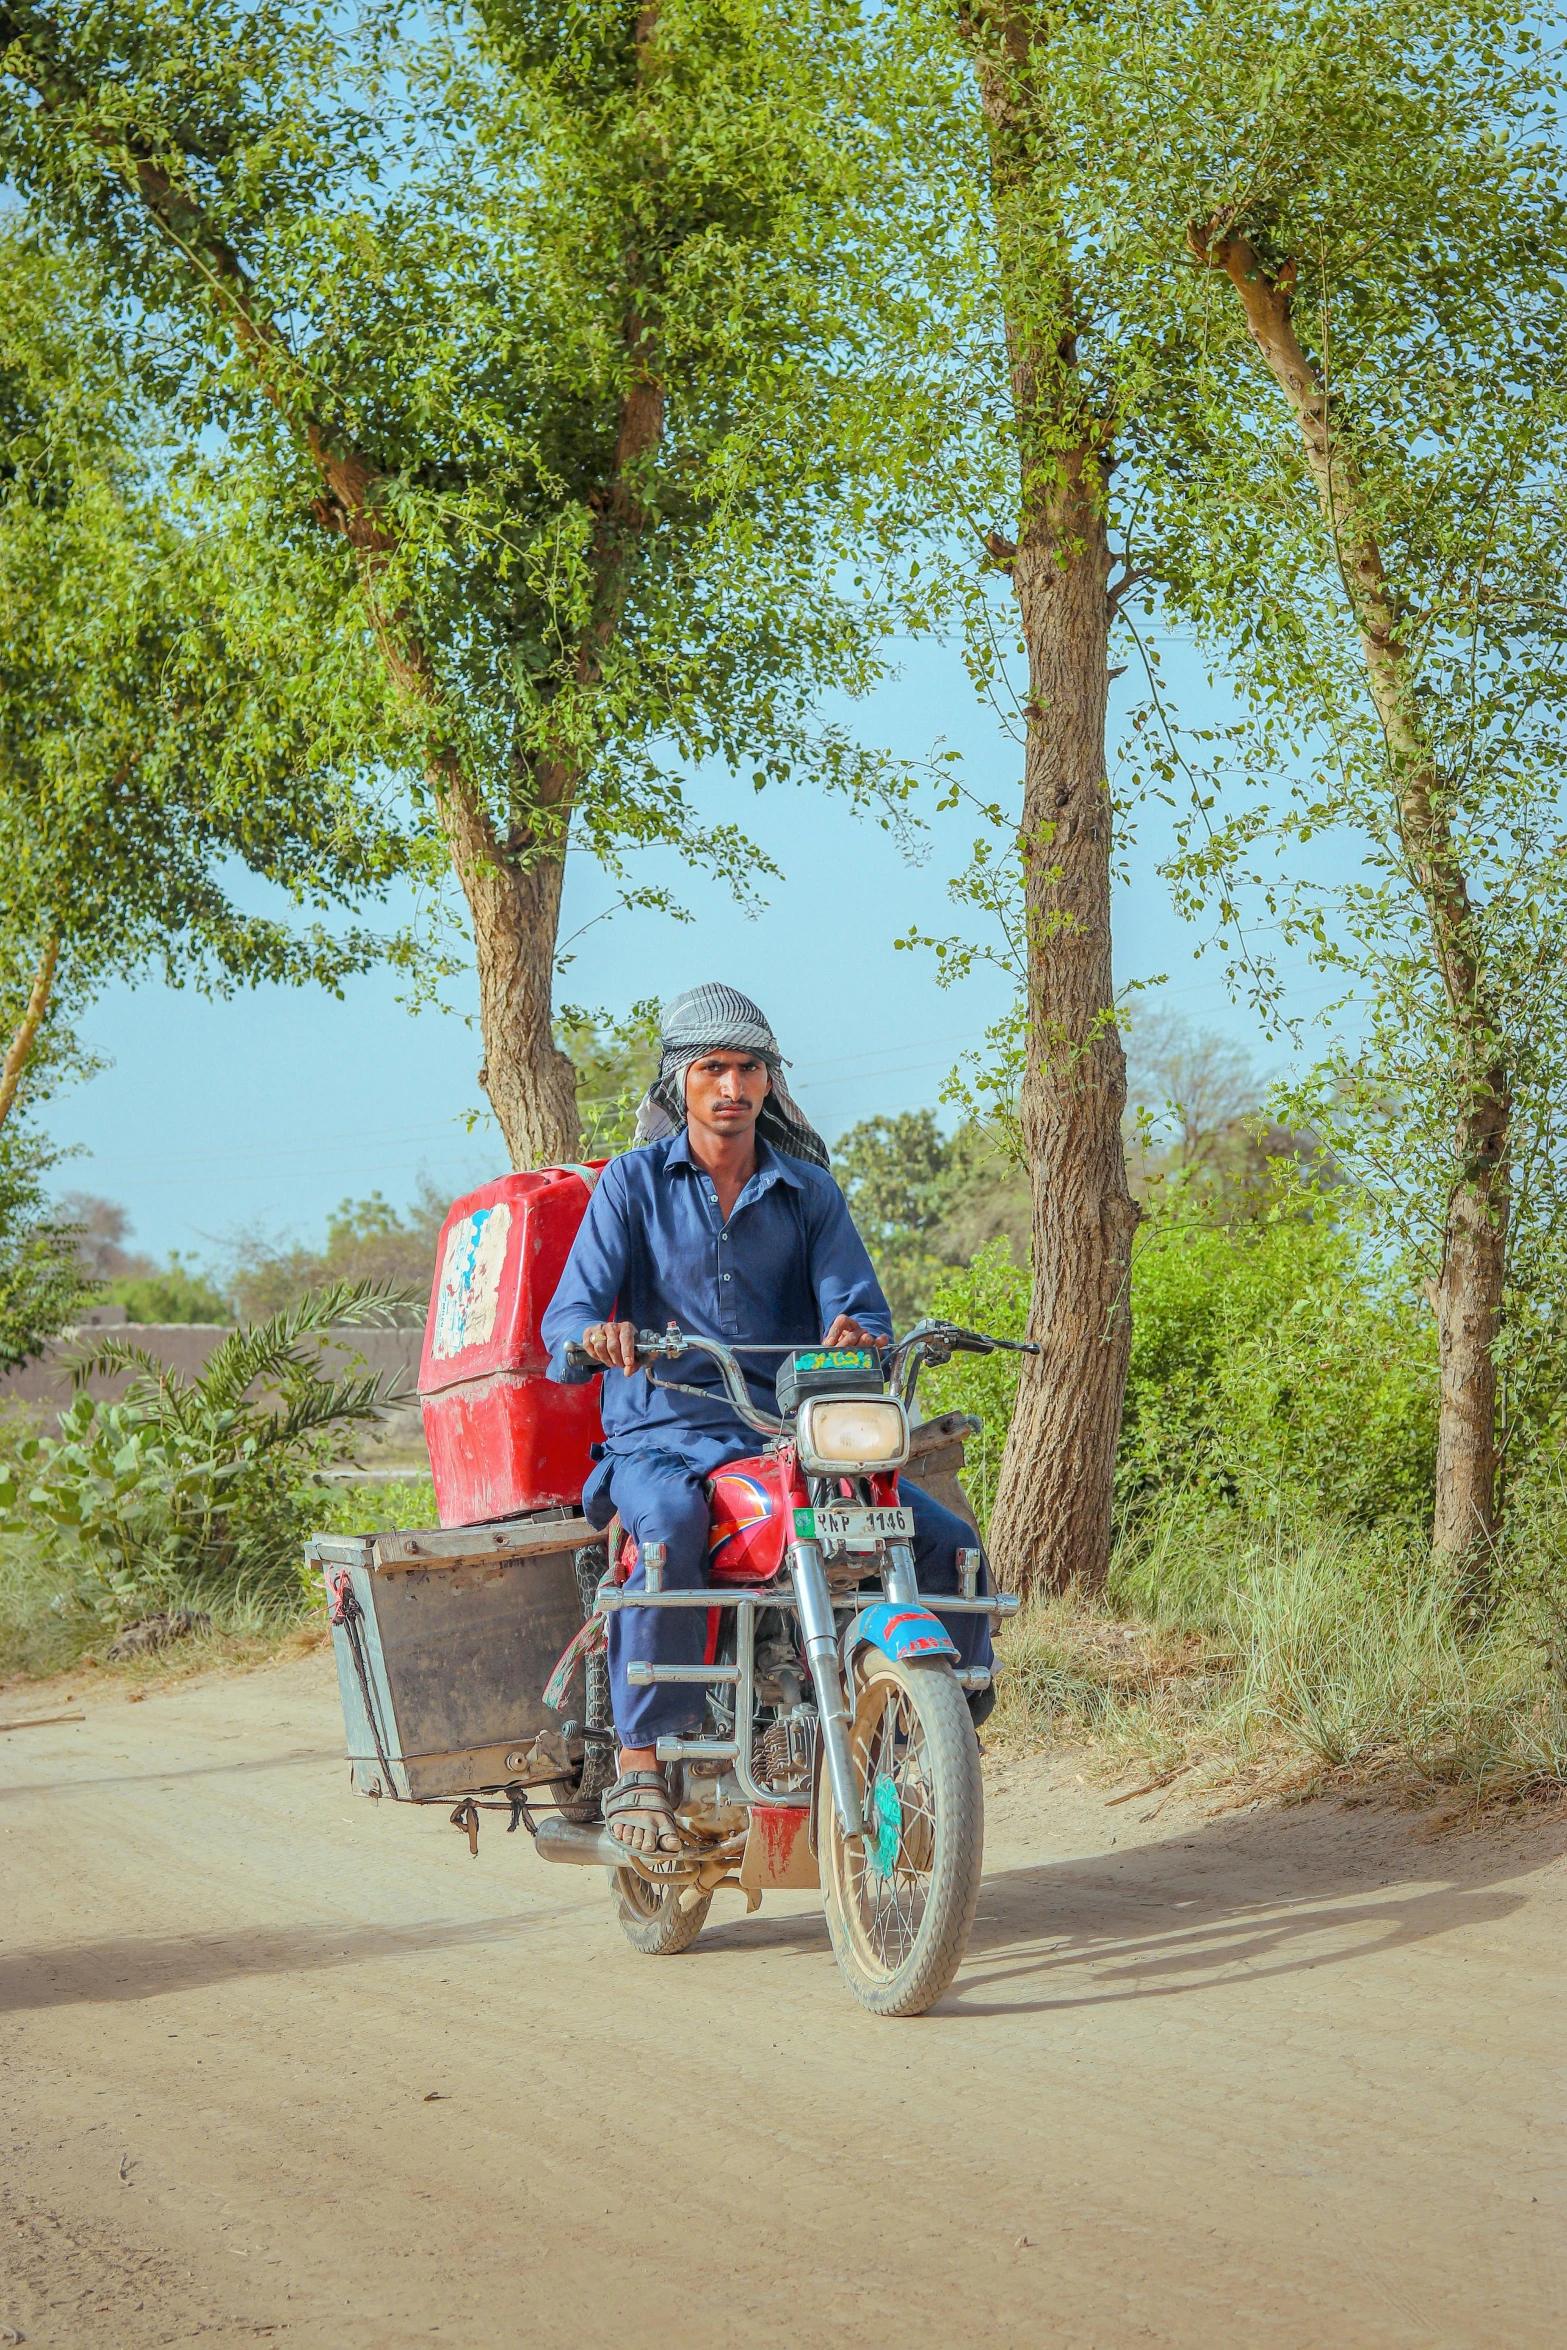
(726, 1223)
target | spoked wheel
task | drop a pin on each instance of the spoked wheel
(651, 1917)
(900, 1905)
(585, 1803)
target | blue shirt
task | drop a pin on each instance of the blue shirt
(653, 1249)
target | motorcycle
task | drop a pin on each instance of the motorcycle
(838, 1748)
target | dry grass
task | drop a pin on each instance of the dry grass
(1285, 1663)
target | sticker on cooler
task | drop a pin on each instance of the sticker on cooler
(471, 1280)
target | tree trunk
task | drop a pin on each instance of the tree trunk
(515, 910)
(1467, 1295)
(1053, 1501)
(1052, 1520)
(27, 1028)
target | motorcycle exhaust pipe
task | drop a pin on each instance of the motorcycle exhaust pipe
(575, 1841)
(595, 1848)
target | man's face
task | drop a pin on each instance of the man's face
(725, 1092)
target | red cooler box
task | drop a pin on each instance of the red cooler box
(503, 1438)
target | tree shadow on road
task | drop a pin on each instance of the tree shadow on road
(1250, 1896)
(152, 1966)
(1247, 1897)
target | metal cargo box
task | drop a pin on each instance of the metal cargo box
(444, 1641)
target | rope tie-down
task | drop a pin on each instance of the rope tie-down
(344, 1608)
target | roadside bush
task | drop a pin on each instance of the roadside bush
(989, 1294)
(185, 1484)
(1275, 1366)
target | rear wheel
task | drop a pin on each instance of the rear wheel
(650, 1914)
(586, 1801)
(900, 1904)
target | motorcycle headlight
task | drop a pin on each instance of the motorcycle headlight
(848, 1434)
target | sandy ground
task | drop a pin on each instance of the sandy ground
(279, 2063)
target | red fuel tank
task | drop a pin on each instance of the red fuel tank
(502, 1436)
(751, 1502)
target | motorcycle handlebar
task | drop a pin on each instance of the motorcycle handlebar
(938, 1342)
(928, 1342)
(662, 1346)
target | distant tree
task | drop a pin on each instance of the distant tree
(895, 1174)
(367, 1240)
(102, 1228)
(926, 1202)
(1198, 1121)
(176, 1293)
(43, 1281)
(1194, 1081)
(615, 1062)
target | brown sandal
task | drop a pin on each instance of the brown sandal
(644, 1795)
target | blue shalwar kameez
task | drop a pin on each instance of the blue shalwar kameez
(785, 1263)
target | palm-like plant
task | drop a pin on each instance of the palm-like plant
(198, 1479)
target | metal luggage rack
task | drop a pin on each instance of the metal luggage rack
(739, 1751)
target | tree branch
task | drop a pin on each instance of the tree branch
(350, 479)
(22, 1042)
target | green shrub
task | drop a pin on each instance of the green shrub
(373, 1508)
(1275, 1366)
(184, 1483)
(178, 1294)
(990, 1294)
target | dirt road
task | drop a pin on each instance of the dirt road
(281, 2064)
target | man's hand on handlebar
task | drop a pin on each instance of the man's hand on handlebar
(614, 1344)
(847, 1332)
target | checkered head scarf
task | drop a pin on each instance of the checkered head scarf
(719, 1019)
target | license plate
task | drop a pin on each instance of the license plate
(854, 1528)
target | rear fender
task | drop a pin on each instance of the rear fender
(898, 1632)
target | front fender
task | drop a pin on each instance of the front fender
(898, 1632)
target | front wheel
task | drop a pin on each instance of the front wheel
(900, 1905)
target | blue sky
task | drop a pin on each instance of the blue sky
(263, 1112)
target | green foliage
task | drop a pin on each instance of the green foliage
(1276, 1365)
(465, 246)
(178, 1294)
(367, 1240)
(990, 1294)
(43, 1283)
(179, 697)
(371, 1508)
(1294, 1650)
(924, 1202)
(1402, 185)
(616, 1061)
(184, 1482)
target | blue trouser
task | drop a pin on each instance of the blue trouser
(659, 1498)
